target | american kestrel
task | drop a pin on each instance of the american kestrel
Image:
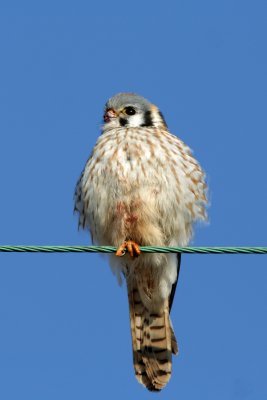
(142, 187)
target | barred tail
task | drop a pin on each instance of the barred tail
(153, 342)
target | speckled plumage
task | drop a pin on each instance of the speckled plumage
(142, 183)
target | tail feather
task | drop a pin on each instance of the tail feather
(175, 348)
(153, 341)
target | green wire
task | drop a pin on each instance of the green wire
(145, 249)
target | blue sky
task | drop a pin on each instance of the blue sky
(64, 320)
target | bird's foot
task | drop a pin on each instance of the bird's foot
(132, 248)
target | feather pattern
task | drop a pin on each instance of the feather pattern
(142, 183)
(153, 341)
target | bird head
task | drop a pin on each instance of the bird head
(130, 110)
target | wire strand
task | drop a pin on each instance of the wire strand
(144, 249)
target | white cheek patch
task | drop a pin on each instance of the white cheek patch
(135, 120)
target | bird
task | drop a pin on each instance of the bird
(141, 186)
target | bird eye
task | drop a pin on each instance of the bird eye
(130, 110)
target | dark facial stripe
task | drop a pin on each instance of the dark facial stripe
(163, 119)
(147, 119)
(123, 122)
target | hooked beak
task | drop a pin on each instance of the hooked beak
(109, 114)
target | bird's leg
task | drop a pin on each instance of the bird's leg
(132, 248)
